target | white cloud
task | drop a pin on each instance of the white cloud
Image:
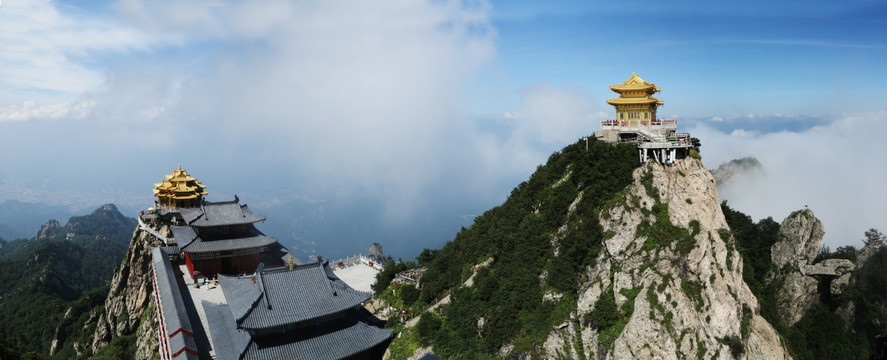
(30, 110)
(345, 98)
(746, 134)
(43, 50)
(829, 168)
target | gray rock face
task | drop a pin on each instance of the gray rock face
(48, 229)
(797, 293)
(838, 285)
(800, 237)
(686, 296)
(376, 253)
(867, 251)
(737, 168)
(130, 295)
(829, 267)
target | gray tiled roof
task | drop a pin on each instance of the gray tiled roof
(228, 342)
(271, 302)
(189, 241)
(220, 213)
(182, 344)
(175, 314)
(334, 339)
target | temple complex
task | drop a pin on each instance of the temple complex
(265, 319)
(636, 121)
(225, 290)
(179, 190)
(221, 238)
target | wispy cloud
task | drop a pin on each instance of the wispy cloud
(30, 110)
(828, 167)
(44, 49)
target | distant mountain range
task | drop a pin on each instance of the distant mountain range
(41, 276)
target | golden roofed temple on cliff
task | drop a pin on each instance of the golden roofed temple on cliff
(179, 190)
(636, 121)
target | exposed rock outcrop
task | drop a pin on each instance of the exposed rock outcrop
(829, 267)
(375, 253)
(670, 266)
(728, 172)
(130, 296)
(800, 237)
(867, 251)
(49, 229)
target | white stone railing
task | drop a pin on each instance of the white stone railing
(357, 260)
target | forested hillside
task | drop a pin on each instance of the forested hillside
(831, 328)
(519, 280)
(517, 236)
(41, 277)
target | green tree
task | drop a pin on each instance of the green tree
(874, 237)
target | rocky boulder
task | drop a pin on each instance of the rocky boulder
(737, 168)
(376, 254)
(867, 251)
(49, 229)
(678, 295)
(800, 237)
(130, 296)
(829, 267)
(797, 278)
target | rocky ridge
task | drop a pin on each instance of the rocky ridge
(128, 308)
(796, 275)
(670, 269)
(130, 297)
(737, 168)
(49, 229)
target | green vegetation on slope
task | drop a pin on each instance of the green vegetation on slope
(518, 236)
(820, 333)
(40, 278)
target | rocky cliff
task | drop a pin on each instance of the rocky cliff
(128, 309)
(670, 271)
(130, 297)
(742, 169)
(796, 277)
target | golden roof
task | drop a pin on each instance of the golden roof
(628, 101)
(635, 82)
(635, 91)
(179, 186)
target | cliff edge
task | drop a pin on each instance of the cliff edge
(668, 282)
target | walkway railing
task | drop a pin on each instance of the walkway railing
(155, 233)
(357, 260)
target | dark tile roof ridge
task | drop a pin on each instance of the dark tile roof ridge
(328, 282)
(262, 295)
(229, 342)
(183, 244)
(237, 299)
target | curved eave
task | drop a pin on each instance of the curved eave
(635, 101)
(183, 197)
(649, 88)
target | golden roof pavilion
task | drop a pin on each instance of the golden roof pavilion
(635, 102)
(179, 190)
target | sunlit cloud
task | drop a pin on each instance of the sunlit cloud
(44, 48)
(825, 167)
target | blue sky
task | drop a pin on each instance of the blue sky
(432, 107)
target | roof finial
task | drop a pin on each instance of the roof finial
(180, 167)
